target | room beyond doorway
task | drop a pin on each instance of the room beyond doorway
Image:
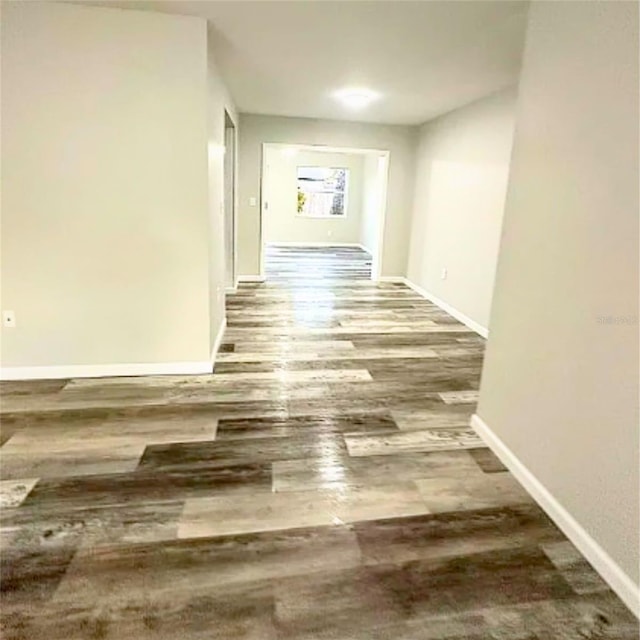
(310, 264)
(317, 197)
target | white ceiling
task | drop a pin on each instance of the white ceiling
(425, 57)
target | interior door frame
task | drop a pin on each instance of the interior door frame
(383, 154)
(263, 206)
(230, 164)
(383, 176)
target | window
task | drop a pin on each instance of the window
(322, 191)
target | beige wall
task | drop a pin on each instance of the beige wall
(256, 130)
(462, 167)
(105, 224)
(282, 223)
(560, 386)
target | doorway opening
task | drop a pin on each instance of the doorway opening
(322, 211)
(230, 231)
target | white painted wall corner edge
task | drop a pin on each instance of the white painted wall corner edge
(452, 311)
(217, 343)
(616, 578)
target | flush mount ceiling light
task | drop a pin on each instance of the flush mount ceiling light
(357, 98)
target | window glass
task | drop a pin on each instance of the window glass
(322, 191)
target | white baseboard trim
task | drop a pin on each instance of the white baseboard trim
(105, 370)
(617, 579)
(217, 343)
(319, 244)
(117, 370)
(452, 311)
(393, 279)
(251, 278)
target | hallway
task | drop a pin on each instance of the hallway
(323, 483)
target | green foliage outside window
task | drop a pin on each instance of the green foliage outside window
(301, 200)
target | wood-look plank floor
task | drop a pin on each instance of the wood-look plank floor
(284, 263)
(322, 484)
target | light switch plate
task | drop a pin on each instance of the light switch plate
(9, 318)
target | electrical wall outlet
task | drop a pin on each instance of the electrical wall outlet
(252, 202)
(9, 318)
(443, 273)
